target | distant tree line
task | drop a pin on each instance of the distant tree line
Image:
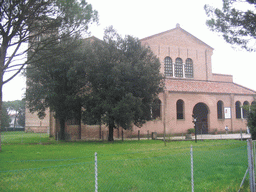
(17, 110)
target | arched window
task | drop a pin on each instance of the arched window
(180, 109)
(238, 110)
(178, 68)
(168, 67)
(220, 109)
(189, 68)
(245, 109)
(156, 109)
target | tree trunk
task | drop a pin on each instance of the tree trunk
(3, 51)
(80, 126)
(111, 130)
(62, 129)
(15, 119)
(1, 86)
(110, 135)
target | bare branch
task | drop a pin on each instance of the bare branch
(17, 65)
(9, 79)
(13, 54)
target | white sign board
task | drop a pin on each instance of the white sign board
(227, 112)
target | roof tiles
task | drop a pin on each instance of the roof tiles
(175, 85)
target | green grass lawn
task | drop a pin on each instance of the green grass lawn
(33, 162)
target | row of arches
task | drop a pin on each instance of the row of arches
(241, 110)
(156, 109)
(178, 69)
(200, 111)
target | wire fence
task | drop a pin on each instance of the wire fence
(251, 148)
(204, 168)
(25, 138)
(211, 170)
(29, 137)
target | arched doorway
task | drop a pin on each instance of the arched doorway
(201, 111)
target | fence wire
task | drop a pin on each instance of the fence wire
(223, 168)
(216, 168)
(24, 138)
(157, 173)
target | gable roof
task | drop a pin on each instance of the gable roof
(182, 30)
(193, 86)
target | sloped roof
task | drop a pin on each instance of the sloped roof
(178, 28)
(175, 85)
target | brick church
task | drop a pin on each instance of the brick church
(190, 89)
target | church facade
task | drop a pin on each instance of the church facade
(192, 92)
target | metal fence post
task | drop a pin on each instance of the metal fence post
(254, 157)
(243, 180)
(96, 173)
(250, 165)
(192, 169)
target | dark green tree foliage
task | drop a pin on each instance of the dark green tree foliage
(251, 121)
(124, 80)
(5, 117)
(21, 117)
(55, 79)
(236, 25)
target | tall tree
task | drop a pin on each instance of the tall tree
(236, 24)
(251, 120)
(236, 21)
(124, 80)
(26, 20)
(56, 79)
(5, 117)
(18, 108)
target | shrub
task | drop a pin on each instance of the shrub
(251, 121)
(191, 130)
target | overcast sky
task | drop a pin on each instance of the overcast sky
(143, 18)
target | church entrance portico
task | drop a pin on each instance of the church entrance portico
(200, 112)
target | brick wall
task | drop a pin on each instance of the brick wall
(178, 43)
(221, 77)
(173, 43)
(34, 124)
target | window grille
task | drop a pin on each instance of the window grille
(245, 109)
(238, 110)
(156, 109)
(180, 106)
(220, 109)
(168, 67)
(178, 68)
(189, 68)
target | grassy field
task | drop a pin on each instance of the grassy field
(33, 162)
